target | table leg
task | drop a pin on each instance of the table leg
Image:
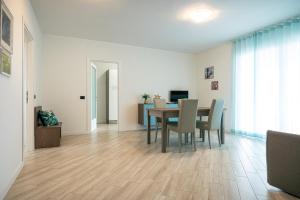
(200, 133)
(164, 134)
(148, 127)
(223, 128)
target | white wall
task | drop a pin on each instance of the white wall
(221, 58)
(11, 94)
(140, 70)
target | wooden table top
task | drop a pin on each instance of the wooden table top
(175, 109)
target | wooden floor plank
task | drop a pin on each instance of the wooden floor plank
(112, 165)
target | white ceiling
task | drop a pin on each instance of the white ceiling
(154, 23)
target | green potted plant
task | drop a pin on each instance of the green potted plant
(146, 97)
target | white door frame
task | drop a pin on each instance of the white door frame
(26, 33)
(88, 94)
(93, 121)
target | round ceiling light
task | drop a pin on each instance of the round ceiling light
(198, 13)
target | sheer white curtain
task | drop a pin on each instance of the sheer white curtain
(267, 80)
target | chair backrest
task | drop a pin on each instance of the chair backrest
(187, 115)
(215, 114)
(160, 103)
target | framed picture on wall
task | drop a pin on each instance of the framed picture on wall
(5, 63)
(6, 28)
(214, 85)
(209, 72)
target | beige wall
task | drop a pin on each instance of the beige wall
(221, 58)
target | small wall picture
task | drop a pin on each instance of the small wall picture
(214, 85)
(5, 63)
(209, 72)
(6, 28)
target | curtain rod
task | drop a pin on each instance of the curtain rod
(269, 27)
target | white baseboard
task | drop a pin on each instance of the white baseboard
(11, 182)
(65, 133)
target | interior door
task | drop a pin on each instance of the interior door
(94, 97)
(29, 93)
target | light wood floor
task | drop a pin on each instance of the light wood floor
(122, 166)
(107, 127)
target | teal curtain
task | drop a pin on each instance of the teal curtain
(266, 75)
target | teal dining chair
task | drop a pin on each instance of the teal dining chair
(186, 120)
(214, 120)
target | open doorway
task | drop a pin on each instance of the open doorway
(28, 93)
(104, 96)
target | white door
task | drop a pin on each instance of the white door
(113, 95)
(29, 93)
(100, 85)
(94, 97)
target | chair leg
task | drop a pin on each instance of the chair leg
(194, 140)
(203, 135)
(168, 137)
(156, 131)
(209, 139)
(219, 138)
(179, 141)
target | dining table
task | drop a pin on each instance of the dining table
(166, 113)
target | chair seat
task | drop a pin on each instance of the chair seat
(202, 125)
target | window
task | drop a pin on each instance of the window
(267, 81)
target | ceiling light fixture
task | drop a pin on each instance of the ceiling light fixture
(198, 13)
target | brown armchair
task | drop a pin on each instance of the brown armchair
(283, 161)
